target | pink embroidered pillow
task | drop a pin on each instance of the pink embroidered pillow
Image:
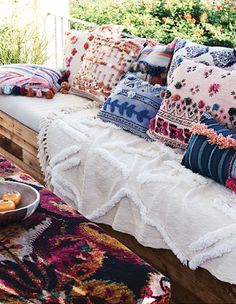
(106, 60)
(195, 88)
(78, 42)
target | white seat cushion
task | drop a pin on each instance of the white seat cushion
(30, 111)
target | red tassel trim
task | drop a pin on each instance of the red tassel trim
(231, 184)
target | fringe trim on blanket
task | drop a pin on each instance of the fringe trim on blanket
(42, 143)
(67, 189)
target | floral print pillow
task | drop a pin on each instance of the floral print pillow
(105, 62)
(78, 42)
(196, 88)
(220, 57)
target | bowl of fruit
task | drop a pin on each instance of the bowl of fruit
(17, 202)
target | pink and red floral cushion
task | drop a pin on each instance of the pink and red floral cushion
(195, 88)
(78, 42)
(104, 63)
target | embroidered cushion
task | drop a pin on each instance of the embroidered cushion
(78, 42)
(212, 151)
(195, 88)
(222, 57)
(132, 104)
(20, 79)
(104, 63)
(153, 63)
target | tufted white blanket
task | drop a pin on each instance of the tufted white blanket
(140, 188)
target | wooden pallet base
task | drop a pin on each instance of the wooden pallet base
(19, 144)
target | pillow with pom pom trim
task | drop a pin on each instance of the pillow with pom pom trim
(106, 60)
(30, 80)
(77, 43)
(212, 151)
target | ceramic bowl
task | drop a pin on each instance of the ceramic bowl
(29, 202)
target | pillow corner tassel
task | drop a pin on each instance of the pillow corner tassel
(231, 184)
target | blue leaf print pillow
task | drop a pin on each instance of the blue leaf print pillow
(132, 105)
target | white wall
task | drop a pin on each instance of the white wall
(36, 12)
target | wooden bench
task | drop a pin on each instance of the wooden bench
(19, 143)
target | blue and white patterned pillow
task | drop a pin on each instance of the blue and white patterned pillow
(132, 105)
(220, 57)
(212, 151)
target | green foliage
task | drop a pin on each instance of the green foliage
(21, 44)
(195, 20)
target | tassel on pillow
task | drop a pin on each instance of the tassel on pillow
(23, 91)
(30, 93)
(231, 184)
(49, 94)
(39, 93)
(6, 90)
(15, 90)
(65, 87)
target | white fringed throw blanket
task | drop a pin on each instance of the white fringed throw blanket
(140, 188)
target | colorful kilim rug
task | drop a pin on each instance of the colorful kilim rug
(57, 256)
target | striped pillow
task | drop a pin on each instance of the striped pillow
(18, 79)
(153, 63)
(212, 151)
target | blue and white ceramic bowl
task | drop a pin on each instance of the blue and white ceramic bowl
(29, 202)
